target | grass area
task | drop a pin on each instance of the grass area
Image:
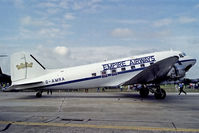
(171, 88)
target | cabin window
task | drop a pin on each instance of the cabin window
(132, 67)
(123, 69)
(93, 74)
(142, 65)
(103, 74)
(114, 72)
(151, 63)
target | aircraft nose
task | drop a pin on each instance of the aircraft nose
(192, 62)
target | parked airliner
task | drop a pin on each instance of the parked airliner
(153, 68)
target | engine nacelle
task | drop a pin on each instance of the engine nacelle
(176, 72)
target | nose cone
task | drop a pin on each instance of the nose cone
(190, 62)
(193, 62)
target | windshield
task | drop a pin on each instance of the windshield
(181, 55)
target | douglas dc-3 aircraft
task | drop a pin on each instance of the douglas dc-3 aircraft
(153, 68)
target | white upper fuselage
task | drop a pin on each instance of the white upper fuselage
(108, 73)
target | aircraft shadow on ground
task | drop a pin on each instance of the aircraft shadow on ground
(111, 96)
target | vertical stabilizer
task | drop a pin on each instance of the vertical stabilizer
(25, 66)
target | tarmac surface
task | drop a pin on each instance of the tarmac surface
(97, 113)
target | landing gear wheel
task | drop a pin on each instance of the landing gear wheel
(144, 92)
(160, 94)
(39, 94)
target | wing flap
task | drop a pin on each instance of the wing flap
(155, 73)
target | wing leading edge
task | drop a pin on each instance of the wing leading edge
(155, 73)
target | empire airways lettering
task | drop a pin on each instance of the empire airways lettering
(131, 62)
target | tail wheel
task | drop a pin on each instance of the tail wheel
(160, 94)
(144, 92)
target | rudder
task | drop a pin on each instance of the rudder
(25, 66)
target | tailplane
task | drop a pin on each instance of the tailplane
(25, 66)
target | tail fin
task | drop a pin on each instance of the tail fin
(25, 66)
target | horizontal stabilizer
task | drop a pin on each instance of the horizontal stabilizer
(154, 73)
(23, 86)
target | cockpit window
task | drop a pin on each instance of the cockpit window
(181, 55)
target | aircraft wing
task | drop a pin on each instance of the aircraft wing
(155, 73)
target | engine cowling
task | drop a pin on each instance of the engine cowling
(176, 72)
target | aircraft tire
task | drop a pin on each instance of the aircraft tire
(144, 92)
(160, 94)
(39, 94)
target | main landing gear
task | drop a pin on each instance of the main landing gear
(160, 93)
(156, 90)
(39, 94)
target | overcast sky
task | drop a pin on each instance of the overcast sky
(74, 32)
